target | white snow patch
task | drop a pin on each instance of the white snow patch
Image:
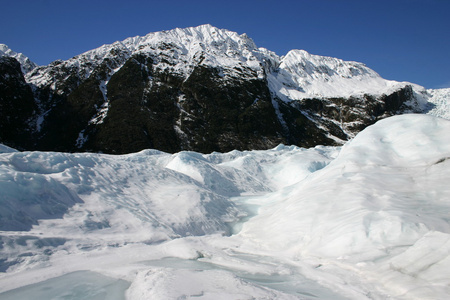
(101, 114)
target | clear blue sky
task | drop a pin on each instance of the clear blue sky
(404, 40)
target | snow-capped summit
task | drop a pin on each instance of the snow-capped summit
(202, 45)
(304, 75)
(26, 64)
(178, 50)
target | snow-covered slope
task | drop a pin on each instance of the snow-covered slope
(379, 209)
(26, 64)
(368, 221)
(303, 75)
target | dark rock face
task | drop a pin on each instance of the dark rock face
(17, 105)
(160, 110)
(141, 106)
(140, 113)
(221, 117)
(345, 117)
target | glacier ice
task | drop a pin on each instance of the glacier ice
(365, 221)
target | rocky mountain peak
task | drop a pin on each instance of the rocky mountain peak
(26, 64)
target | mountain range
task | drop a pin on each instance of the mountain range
(202, 89)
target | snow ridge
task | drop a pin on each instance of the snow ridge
(303, 75)
(178, 50)
(26, 64)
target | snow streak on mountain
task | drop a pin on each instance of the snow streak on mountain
(368, 221)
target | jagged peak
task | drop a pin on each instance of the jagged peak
(179, 49)
(206, 35)
(342, 68)
(26, 64)
(3, 48)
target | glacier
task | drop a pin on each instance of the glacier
(368, 220)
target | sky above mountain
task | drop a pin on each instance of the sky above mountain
(403, 40)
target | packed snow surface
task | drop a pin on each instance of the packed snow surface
(366, 221)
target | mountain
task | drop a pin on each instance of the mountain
(203, 89)
(368, 220)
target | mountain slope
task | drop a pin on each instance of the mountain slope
(303, 75)
(205, 89)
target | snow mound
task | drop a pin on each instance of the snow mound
(6, 149)
(166, 283)
(37, 186)
(371, 197)
(225, 181)
(383, 201)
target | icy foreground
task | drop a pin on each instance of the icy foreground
(366, 221)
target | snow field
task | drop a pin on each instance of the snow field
(372, 208)
(368, 221)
